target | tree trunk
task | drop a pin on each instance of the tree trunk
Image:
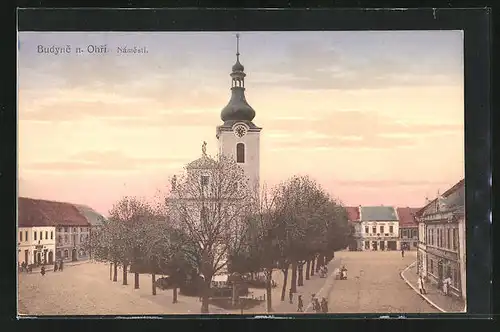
(269, 274)
(153, 282)
(206, 294)
(312, 266)
(235, 295)
(110, 271)
(136, 280)
(293, 285)
(174, 295)
(125, 274)
(115, 272)
(283, 290)
(308, 269)
(318, 263)
(300, 281)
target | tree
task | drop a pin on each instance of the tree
(130, 214)
(209, 203)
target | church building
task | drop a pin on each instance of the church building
(238, 136)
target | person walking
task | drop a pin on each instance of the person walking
(290, 296)
(421, 285)
(402, 252)
(42, 271)
(316, 306)
(324, 305)
(300, 304)
(61, 265)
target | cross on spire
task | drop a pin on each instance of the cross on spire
(238, 46)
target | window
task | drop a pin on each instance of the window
(374, 230)
(75, 230)
(455, 279)
(381, 229)
(204, 180)
(46, 235)
(391, 229)
(34, 235)
(59, 239)
(51, 235)
(26, 236)
(66, 253)
(66, 238)
(21, 236)
(455, 239)
(432, 266)
(240, 153)
(65, 229)
(448, 243)
(367, 230)
(41, 235)
(58, 254)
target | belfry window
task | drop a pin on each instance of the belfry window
(240, 153)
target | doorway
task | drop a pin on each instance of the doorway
(38, 258)
(51, 257)
(374, 245)
(26, 256)
(73, 255)
(382, 245)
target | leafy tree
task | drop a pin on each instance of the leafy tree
(209, 202)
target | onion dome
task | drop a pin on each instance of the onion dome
(237, 108)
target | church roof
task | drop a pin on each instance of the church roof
(238, 107)
(204, 162)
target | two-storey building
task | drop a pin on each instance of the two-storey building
(379, 228)
(39, 226)
(408, 228)
(441, 252)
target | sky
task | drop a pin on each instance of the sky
(376, 117)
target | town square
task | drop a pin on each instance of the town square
(242, 173)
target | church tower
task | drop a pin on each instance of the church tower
(238, 136)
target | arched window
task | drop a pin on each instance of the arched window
(240, 153)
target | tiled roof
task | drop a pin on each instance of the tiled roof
(352, 213)
(93, 217)
(39, 213)
(460, 185)
(378, 213)
(406, 216)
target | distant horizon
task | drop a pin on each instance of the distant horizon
(375, 117)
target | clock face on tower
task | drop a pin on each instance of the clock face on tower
(240, 130)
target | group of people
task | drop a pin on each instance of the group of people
(323, 270)
(317, 306)
(25, 267)
(445, 285)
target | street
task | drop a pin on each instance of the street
(373, 285)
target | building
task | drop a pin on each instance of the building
(41, 225)
(353, 220)
(94, 218)
(408, 228)
(238, 137)
(379, 228)
(441, 250)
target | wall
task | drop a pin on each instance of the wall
(69, 238)
(227, 147)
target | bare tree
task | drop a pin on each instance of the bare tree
(209, 203)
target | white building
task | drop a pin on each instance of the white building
(378, 228)
(38, 224)
(442, 250)
(238, 136)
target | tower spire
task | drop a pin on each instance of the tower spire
(238, 47)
